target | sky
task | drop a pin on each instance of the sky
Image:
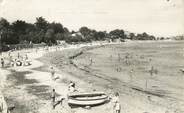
(157, 17)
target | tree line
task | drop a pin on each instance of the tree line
(20, 31)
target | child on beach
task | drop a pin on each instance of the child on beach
(117, 106)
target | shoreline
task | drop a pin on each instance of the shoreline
(96, 85)
(68, 71)
(25, 86)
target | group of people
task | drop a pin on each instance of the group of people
(71, 88)
(115, 100)
(19, 60)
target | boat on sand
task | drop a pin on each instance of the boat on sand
(87, 99)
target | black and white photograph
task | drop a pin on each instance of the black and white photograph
(91, 56)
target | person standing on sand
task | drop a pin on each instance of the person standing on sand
(116, 105)
(53, 97)
(3, 105)
(18, 55)
(26, 57)
(52, 73)
(9, 53)
(91, 61)
(2, 62)
(131, 75)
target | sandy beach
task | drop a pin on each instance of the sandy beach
(164, 90)
(35, 82)
(91, 56)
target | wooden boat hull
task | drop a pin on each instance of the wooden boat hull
(87, 99)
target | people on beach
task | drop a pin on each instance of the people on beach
(14, 62)
(52, 73)
(71, 87)
(18, 55)
(9, 53)
(116, 104)
(127, 59)
(19, 63)
(26, 57)
(3, 105)
(149, 98)
(116, 97)
(53, 97)
(2, 62)
(153, 71)
(117, 107)
(131, 74)
(11, 61)
(91, 61)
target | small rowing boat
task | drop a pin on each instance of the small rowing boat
(87, 99)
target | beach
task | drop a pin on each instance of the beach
(35, 83)
(73, 64)
(164, 89)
